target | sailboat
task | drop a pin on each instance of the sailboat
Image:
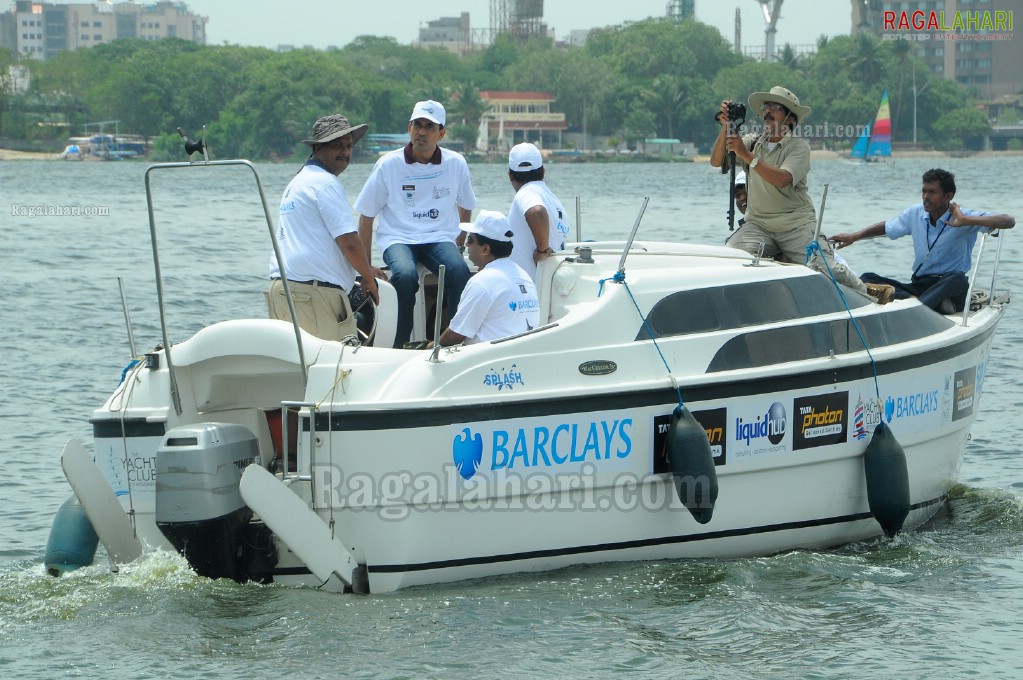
(876, 142)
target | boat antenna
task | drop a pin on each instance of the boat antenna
(632, 236)
(820, 214)
(578, 220)
(127, 318)
(441, 270)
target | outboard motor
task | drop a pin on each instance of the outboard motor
(199, 507)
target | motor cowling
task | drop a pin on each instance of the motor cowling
(199, 507)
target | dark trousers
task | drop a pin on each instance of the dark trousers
(932, 290)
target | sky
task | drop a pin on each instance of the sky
(322, 23)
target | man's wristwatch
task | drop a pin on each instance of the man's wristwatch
(753, 163)
(549, 251)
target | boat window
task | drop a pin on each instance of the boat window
(818, 340)
(749, 304)
(690, 311)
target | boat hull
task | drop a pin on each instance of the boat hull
(516, 478)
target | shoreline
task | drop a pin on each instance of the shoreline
(816, 154)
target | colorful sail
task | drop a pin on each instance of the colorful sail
(877, 140)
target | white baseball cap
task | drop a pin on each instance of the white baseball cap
(489, 224)
(524, 157)
(740, 178)
(430, 110)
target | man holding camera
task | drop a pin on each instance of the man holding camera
(780, 214)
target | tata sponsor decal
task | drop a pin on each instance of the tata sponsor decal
(821, 420)
(714, 421)
(546, 446)
(760, 433)
(965, 386)
(866, 416)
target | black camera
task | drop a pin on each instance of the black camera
(736, 111)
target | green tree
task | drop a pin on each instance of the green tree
(962, 128)
(864, 62)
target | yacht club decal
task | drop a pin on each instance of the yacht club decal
(821, 420)
(965, 382)
(546, 445)
(866, 416)
(504, 378)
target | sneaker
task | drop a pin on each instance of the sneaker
(881, 292)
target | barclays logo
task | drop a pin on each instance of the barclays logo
(467, 452)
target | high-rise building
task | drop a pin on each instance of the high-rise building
(39, 30)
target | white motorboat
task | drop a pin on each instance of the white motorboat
(261, 452)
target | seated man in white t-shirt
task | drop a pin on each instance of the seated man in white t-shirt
(500, 300)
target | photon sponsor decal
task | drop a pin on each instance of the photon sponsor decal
(762, 433)
(964, 382)
(866, 416)
(714, 422)
(820, 420)
(542, 445)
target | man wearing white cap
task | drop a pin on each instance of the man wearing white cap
(537, 217)
(421, 193)
(319, 240)
(500, 300)
(780, 214)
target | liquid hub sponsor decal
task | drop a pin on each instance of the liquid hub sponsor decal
(762, 433)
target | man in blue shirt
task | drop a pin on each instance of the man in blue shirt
(943, 238)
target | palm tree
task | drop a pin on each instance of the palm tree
(864, 59)
(788, 58)
(665, 97)
(902, 50)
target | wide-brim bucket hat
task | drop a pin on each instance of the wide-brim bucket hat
(783, 96)
(329, 128)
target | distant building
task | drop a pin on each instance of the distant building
(39, 30)
(983, 56)
(514, 117)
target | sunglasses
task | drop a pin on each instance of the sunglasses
(470, 239)
(773, 106)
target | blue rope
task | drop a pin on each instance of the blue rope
(124, 372)
(620, 278)
(814, 248)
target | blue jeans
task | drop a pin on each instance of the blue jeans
(932, 290)
(402, 259)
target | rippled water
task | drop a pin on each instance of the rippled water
(943, 601)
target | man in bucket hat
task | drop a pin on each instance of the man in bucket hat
(501, 299)
(421, 193)
(780, 214)
(319, 238)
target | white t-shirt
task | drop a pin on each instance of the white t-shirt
(314, 211)
(416, 202)
(500, 300)
(529, 195)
